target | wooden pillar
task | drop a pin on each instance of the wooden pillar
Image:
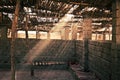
(37, 32)
(87, 29)
(67, 33)
(48, 35)
(63, 34)
(115, 59)
(26, 26)
(0, 17)
(4, 28)
(26, 30)
(87, 33)
(13, 36)
(74, 32)
(3, 32)
(116, 21)
(104, 36)
(32, 71)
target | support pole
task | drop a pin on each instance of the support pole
(13, 36)
(0, 17)
(48, 35)
(116, 22)
(115, 59)
(26, 26)
(67, 33)
(87, 32)
(32, 71)
(74, 32)
(26, 30)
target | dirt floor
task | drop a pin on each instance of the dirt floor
(38, 75)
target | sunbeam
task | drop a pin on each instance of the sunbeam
(64, 20)
(35, 51)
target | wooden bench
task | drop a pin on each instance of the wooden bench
(58, 64)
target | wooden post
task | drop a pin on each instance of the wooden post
(4, 33)
(87, 32)
(13, 36)
(67, 32)
(74, 32)
(0, 17)
(116, 21)
(32, 71)
(95, 35)
(104, 36)
(115, 59)
(26, 26)
(37, 33)
(63, 34)
(48, 35)
(26, 30)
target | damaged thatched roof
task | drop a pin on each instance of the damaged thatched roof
(54, 10)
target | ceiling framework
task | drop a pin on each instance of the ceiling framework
(54, 10)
